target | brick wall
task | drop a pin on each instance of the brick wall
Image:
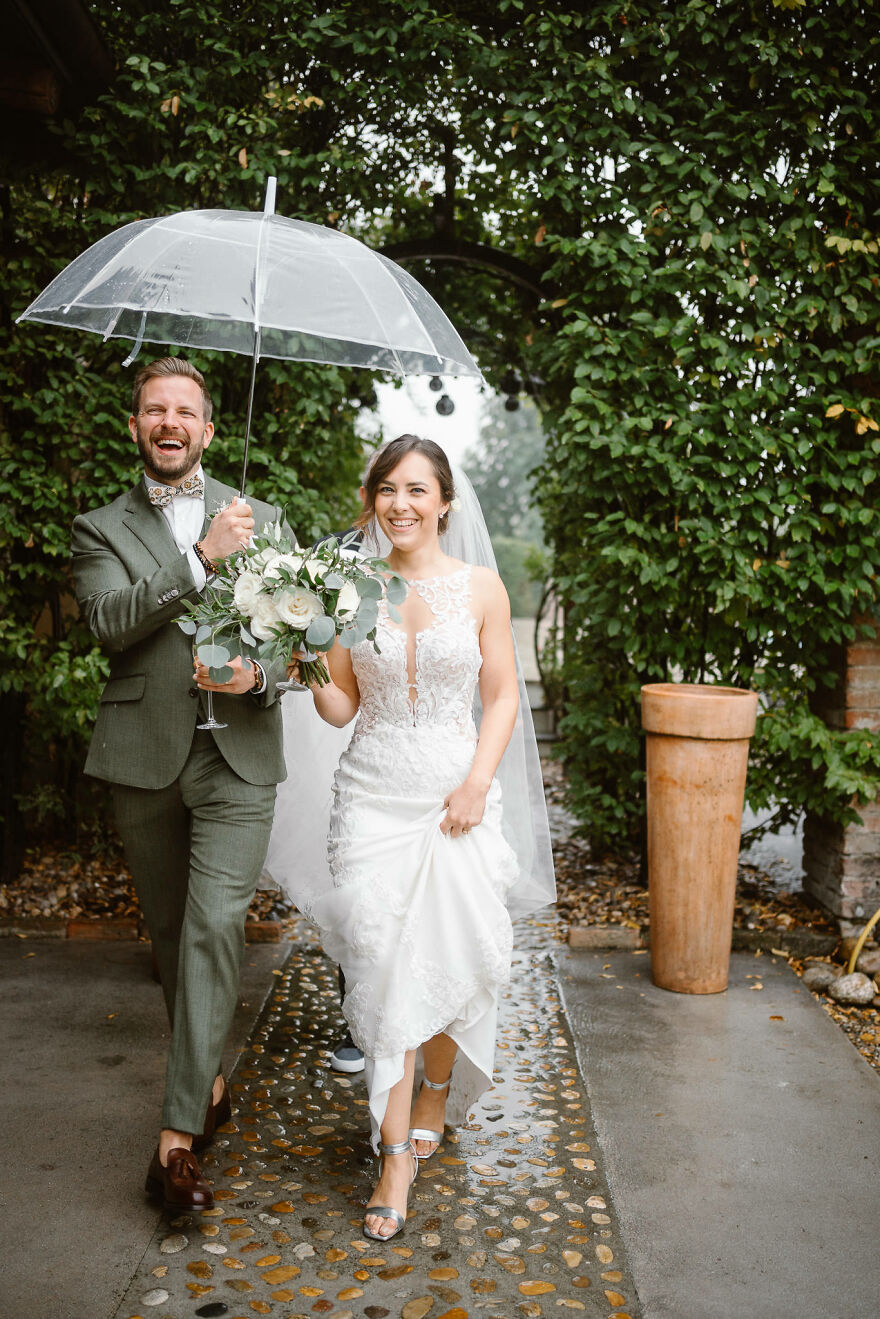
(842, 864)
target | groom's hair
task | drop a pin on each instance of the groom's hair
(385, 460)
(170, 366)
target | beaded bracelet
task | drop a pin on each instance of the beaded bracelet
(209, 567)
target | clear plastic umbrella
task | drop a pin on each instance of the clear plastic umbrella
(261, 284)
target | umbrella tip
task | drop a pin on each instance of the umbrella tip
(269, 206)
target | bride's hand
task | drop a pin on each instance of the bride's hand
(464, 809)
(294, 669)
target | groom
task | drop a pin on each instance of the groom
(194, 808)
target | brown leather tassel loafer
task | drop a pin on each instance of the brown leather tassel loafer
(216, 1115)
(180, 1186)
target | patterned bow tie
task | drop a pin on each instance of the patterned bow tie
(161, 495)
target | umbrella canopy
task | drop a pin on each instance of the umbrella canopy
(255, 283)
(219, 279)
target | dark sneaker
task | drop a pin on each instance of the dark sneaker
(346, 1056)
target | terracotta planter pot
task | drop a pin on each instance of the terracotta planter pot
(697, 751)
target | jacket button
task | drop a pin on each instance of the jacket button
(193, 692)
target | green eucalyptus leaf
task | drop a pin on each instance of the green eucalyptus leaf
(369, 588)
(321, 632)
(212, 656)
(396, 590)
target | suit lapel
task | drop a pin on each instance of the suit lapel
(150, 526)
(217, 496)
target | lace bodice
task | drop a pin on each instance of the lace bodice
(447, 663)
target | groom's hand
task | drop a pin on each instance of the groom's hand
(244, 679)
(229, 532)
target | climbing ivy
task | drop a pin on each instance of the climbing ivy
(695, 186)
(713, 493)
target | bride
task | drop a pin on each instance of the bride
(424, 869)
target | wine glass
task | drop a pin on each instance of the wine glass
(210, 722)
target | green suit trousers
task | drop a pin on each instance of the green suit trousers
(196, 849)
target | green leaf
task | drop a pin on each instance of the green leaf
(396, 590)
(321, 632)
(369, 588)
(212, 656)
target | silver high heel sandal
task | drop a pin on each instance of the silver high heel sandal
(385, 1211)
(423, 1133)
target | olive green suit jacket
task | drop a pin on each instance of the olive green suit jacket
(130, 581)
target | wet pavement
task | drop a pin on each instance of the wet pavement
(734, 1171)
(512, 1216)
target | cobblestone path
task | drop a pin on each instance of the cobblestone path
(511, 1217)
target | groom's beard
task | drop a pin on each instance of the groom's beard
(176, 463)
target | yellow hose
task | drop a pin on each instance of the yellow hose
(863, 939)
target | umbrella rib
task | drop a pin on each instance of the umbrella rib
(141, 224)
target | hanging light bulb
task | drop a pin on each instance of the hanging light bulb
(445, 405)
(435, 383)
(511, 404)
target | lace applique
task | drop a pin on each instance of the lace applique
(447, 663)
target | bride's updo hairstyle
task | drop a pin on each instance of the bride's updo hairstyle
(386, 459)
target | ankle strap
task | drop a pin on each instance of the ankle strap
(437, 1085)
(402, 1147)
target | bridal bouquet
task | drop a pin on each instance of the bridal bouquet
(276, 597)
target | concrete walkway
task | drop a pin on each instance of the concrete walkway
(740, 1135)
(718, 1163)
(82, 1040)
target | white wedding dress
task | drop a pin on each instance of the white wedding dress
(417, 920)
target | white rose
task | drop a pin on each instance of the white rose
(349, 599)
(298, 607)
(292, 562)
(316, 568)
(264, 617)
(265, 556)
(247, 588)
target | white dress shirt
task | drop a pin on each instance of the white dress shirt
(186, 517)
